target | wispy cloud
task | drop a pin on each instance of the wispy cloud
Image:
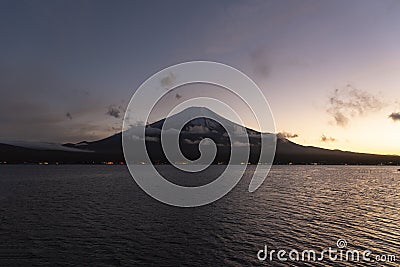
(152, 139)
(168, 80)
(198, 129)
(191, 142)
(350, 102)
(36, 101)
(115, 111)
(287, 135)
(395, 116)
(326, 139)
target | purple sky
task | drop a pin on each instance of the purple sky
(330, 69)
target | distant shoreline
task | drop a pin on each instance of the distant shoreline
(123, 164)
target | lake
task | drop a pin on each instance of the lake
(70, 215)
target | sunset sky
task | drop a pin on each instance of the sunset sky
(329, 69)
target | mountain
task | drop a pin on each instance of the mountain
(43, 146)
(110, 149)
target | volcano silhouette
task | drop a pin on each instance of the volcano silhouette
(195, 130)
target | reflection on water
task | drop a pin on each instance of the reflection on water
(97, 215)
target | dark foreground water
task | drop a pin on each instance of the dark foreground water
(98, 216)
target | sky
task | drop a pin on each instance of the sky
(329, 69)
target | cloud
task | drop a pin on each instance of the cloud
(239, 130)
(325, 139)
(351, 102)
(340, 119)
(114, 111)
(198, 129)
(241, 144)
(395, 116)
(152, 138)
(287, 135)
(191, 142)
(169, 80)
(68, 115)
(36, 98)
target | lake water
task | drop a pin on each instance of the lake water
(97, 215)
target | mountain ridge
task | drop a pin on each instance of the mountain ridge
(109, 149)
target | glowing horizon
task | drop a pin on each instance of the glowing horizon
(67, 78)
